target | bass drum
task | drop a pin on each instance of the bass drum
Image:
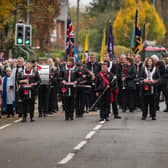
(44, 71)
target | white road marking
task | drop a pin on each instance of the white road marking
(69, 157)
(97, 127)
(17, 121)
(80, 145)
(4, 126)
(102, 122)
(89, 136)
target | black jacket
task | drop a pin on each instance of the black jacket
(130, 77)
(99, 81)
(143, 75)
(95, 67)
(64, 74)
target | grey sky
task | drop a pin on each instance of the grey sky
(82, 2)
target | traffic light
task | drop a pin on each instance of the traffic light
(28, 35)
(19, 34)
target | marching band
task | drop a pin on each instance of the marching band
(126, 83)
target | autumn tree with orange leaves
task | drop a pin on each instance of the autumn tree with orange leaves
(42, 17)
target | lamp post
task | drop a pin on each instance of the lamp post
(28, 13)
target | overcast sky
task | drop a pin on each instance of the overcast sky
(82, 2)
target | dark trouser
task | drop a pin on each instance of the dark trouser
(43, 97)
(114, 104)
(92, 98)
(128, 98)
(80, 102)
(162, 87)
(53, 100)
(9, 110)
(120, 93)
(68, 102)
(104, 105)
(28, 105)
(138, 97)
(19, 103)
(149, 100)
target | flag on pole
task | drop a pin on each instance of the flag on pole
(69, 38)
(85, 56)
(110, 48)
(103, 46)
(133, 37)
(75, 54)
(138, 46)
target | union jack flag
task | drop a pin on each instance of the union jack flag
(69, 39)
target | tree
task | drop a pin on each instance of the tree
(123, 25)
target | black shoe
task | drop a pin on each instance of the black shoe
(24, 120)
(117, 117)
(20, 115)
(166, 110)
(45, 115)
(124, 110)
(32, 120)
(153, 118)
(8, 116)
(101, 119)
(107, 119)
(143, 118)
(71, 118)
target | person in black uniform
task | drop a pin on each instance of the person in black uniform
(103, 81)
(130, 86)
(28, 80)
(165, 83)
(14, 85)
(112, 68)
(121, 68)
(68, 80)
(84, 79)
(54, 86)
(43, 95)
(149, 77)
(138, 98)
(161, 87)
(95, 68)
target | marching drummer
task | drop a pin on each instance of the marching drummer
(28, 81)
(68, 80)
(103, 87)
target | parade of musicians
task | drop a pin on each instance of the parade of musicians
(94, 72)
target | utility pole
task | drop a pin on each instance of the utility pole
(28, 13)
(77, 26)
(154, 2)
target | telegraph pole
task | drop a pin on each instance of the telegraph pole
(28, 13)
(77, 26)
(154, 2)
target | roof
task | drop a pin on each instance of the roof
(150, 48)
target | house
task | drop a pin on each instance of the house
(58, 35)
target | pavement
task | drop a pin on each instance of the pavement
(86, 143)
